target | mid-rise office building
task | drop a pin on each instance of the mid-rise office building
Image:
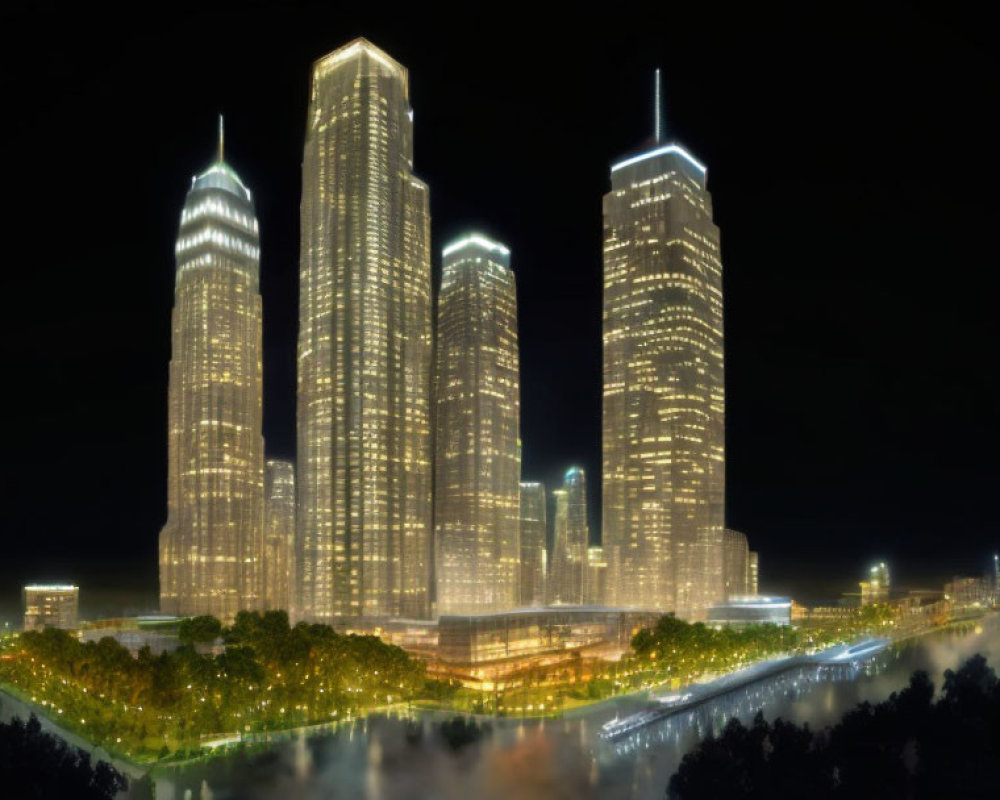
(365, 347)
(567, 574)
(477, 459)
(876, 588)
(595, 583)
(55, 606)
(279, 536)
(534, 548)
(735, 563)
(664, 392)
(211, 545)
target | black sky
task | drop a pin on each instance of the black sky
(853, 165)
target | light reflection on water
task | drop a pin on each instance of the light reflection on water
(386, 756)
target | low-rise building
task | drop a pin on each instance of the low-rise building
(743, 610)
(55, 605)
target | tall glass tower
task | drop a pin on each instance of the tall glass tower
(477, 463)
(664, 399)
(364, 354)
(211, 546)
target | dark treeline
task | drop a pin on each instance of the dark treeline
(909, 746)
(35, 764)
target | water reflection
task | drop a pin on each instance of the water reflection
(395, 757)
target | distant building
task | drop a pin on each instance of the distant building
(534, 552)
(477, 464)
(569, 547)
(51, 606)
(735, 563)
(158, 633)
(595, 583)
(876, 588)
(279, 535)
(752, 610)
(753, 572)
(969, 593)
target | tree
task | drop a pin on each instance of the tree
(199, 630)
(34, 764)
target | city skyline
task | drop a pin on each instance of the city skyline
(800, 510)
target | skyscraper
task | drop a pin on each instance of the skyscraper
(279, 535)
(595, 585)
(753, 573)
(735, 563)
(567, 574)
(534, 550)
(664, 401)
(364, 355)
(477, 464)
(210, 547)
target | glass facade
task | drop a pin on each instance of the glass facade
(567, 575)
(534, 550)
(365, 346)
(735, 563)
(210, 547)
(664, 401)
(279, 535)
(477, 406)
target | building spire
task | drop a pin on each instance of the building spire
(222, 138)
(657, 108)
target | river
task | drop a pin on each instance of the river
(387, 757)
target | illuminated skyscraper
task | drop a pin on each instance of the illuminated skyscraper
(279, 535)
(572, 537)
(211, 546)
(364, 357)
(664, 400)
(476, 460)
(534, 552)
(595, 583)
(753, 573)
(735, 563)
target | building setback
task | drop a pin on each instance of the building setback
(210, 547)
(477, 405)
(364, 353)
(534, 550)
(664, 402)
(279, 535)
(567, 574)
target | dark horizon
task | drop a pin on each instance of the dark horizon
(852, 165)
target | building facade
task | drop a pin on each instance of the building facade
(55, 606)
(567, 575)
(664, 401)
(279, 536)
(735, 563)
(595, 583)
(753, 572)
(477, 463)
(534, 548)
(211, 545)
(365, 347)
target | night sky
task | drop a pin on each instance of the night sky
(853, 166)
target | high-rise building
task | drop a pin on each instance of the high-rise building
(735, 563)
(876, 588)
(279, 536)
(572, 537)
(753, 573)
(595, 583)
(365, 345)
(477, 463)
(664, 401)
(210, 547)
(534, 551)
(53, 606)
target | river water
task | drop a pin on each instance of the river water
(387, 757)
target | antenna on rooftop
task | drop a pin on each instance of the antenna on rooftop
(657, 108)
